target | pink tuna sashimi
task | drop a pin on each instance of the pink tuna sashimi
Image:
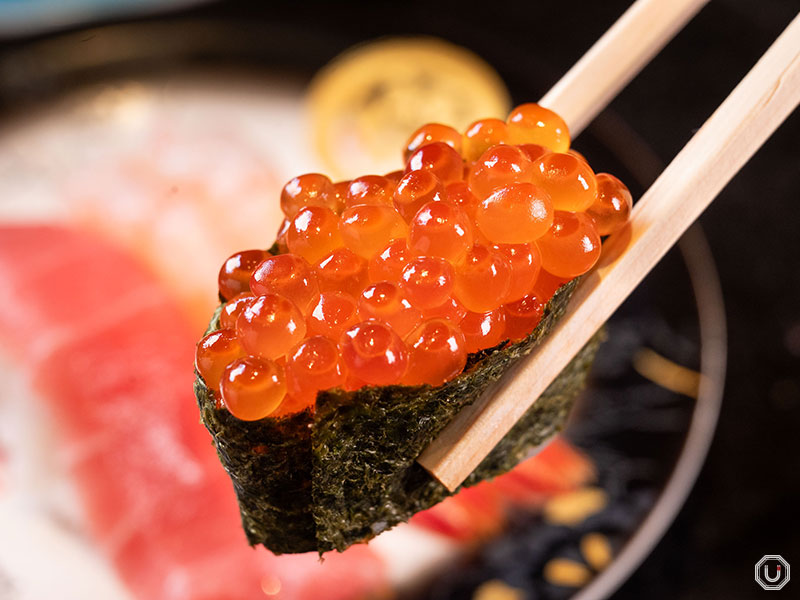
(111, 355)
(479, 512)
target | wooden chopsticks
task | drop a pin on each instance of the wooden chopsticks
(741, 124)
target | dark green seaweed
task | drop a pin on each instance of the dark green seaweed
(344, 474)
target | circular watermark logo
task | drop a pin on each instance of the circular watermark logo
(772, 572)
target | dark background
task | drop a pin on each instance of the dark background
(744, 502)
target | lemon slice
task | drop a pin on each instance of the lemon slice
(366, 103)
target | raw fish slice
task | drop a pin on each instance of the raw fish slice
(478, 512)
(112, 356)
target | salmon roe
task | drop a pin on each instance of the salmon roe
(458, 193)
(533, 151)
(339, 196)
(313, 233)
(395, 279)
(440, 229)
(311, 189)
(374, 353)
(269, 326)
(234, 276)
(367, 228)
(232, 309)
(215, 352)
(515, 214)
(287, 275)
(534, 124)
(414, 190)
(313, 365)
(499, 166)
(451, 309)
(342, 270)
(526, 262)
(482, 135)
(369, 189)
(386, 301)
(333, 313)
(437, 353)
(440, 159)
(523, 315)
(568, 180)
(428, 281)
(612, 207)
(484, 277)
(388, 264)
(252, 388)
(432, 132)
(483, 330)
(571, 246)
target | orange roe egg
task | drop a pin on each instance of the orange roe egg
(280, 237)
(432, 132)
(374, 353)
(366, 229)
(252, 388)
(289, 276)
(353, 383)
(533, 151)
(269, 326)
(569, 181)
(482, 282)
(388, 263)
(613, 206)
(482, 135)
(369, 189)
(534, 124)
(314, 232)
(333, 313)
(436, 351)
(572, 245)
(440, 229)
(428, 281)
(339, 196)
(547, 284)
(458, 193)
(515, 214)
(483, 330)
(414, 190)
(313, 365)
(498, 167)
(451, 309)
(577, 155)
(311, 189)
(388, 302)
(215, 352)
(525, 262)
(234, 276)
(440, 159)
(232, 309)
(395, 176)
(292, 405)
(523, 315)
(342, 270)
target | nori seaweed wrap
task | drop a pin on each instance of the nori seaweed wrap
(339, 475)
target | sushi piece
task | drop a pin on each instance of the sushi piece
(110, 479)
(388, 304)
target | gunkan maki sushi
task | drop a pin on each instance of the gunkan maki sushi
(386, 305)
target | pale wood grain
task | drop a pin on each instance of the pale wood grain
(607, 67)
(758, 105)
